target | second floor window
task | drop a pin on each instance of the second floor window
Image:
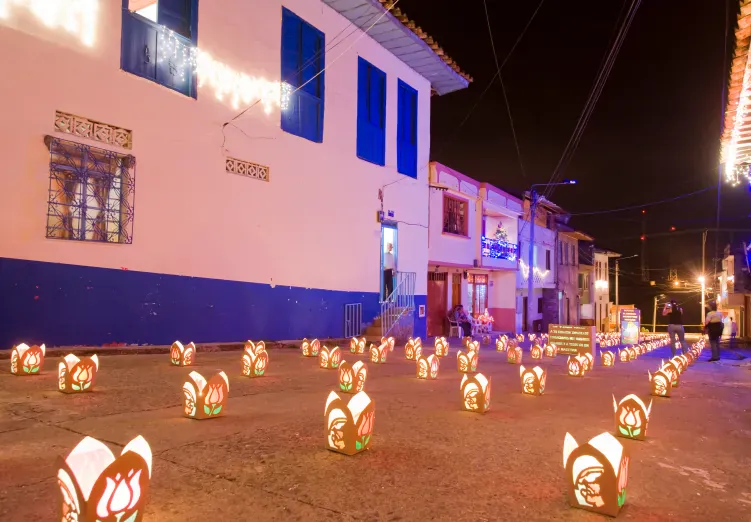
(303, 62)
(454, 216)
(371, 113)
(406, 132)
(547, 259)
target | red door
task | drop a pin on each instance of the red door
(436, 314)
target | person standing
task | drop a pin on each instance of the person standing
(733, 332)
(675, 325)
(713, 328)
(389, 266)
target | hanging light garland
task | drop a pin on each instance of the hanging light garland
(77, 17)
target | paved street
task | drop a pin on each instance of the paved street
(428, 460)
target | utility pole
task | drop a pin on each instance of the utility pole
(531, 265)
(644, 275)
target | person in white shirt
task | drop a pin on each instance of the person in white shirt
(389, 266)
(713, 326)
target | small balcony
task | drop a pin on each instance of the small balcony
(499, 254)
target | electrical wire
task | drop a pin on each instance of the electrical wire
(633, 207)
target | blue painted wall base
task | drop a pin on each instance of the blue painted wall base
(63, 305)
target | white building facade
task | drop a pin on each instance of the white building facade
(210, 171)
(602, 303)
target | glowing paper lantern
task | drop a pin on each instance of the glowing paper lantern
(680, 362)
(514, 355)
(310, 348)
(349, 427)
(597, 473)
(588, 361)
(352, 378)
(608, 358)
(671, 369)
(413, 349)
(441, 347)
(575, 366)
(255, 359)
(501, 345)
(472, 346)
(531, 336)
(467, 362)
(205, 400)
(182, 355)
(26, 360)
(623, 355)
(550, 350)
(427, 367)
(96, 486)
(76, 375)
(660, 383)
(476, 393)
(519, 338)
(486, 340)
(329, 358)
(533, 380)
(357, 346)
(535, 351)
(631, 417)
(631, 353)
(378, 353)
(390, 341)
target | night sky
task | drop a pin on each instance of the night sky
(654, 134)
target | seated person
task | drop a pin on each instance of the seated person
(463, 320)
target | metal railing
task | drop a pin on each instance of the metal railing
(400, 303)
(352, 320)
(497, 249)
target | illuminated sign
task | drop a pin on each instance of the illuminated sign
(630, 325)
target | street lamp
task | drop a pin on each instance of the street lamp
(617, 311)
(531, 265)
(703, 309)
(654, 313)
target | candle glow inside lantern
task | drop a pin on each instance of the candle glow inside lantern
(329, 358)
(575, 366)
(623, 355)
(413, 349)
(533, 380)
(357, 346)
(255, 359)
(550, 350)
(310, 348)
(672, 371)
(441, 347)
(182, 355)
(597, 474)
(501, 345)
(378, 353)
(472, 346)
(427, 367)
(390, 341)
(486, 340)
(680, 362)
(514, 355)
(76, 375)
(205, 399)
(476, 393)
(97, 486)
(27, 360)
(631, 353)
(352, 378)
(608, 358)
(349, 427)
(631, 417)
(660, 383)
(519, 338)
(466, 362)
(535, 351)
(588, 361)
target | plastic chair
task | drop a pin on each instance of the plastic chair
(454, 328)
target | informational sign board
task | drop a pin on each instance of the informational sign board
(573, 340)
(630, 325)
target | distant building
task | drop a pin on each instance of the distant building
(602, 302)
(734, 299)
(569, 305)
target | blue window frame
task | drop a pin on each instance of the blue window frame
(303, 62)
(406, 132)
(371, 113)
(149, 50)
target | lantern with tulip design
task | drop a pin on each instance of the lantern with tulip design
(76, 375)
(514, 355)
(623, 355)
(97, 486)
(466, 362)
(182, 355)
(329, 358)
(575, 366)
(441, 347)
(205, 399)
(357, 346)
(427, 367)
(631, 417)
(631, 353)
(310, 348)
(533, 380)
(389, 341)
(255, 359)
(608, 358)
(379, 353)
(413, 349)
(535, 351)
(501, 344)
(26, 360)
(349, 427)
(352, 378)
(597, 473)
(660, 383)
(671, 369)
(588, 361)
(475, 393)
(550, 350)
(472, 346)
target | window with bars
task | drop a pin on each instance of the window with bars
(454, 216)
(91, 193)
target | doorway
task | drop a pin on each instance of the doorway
(456, 290)
(525, 311)
(437, 290)
(389, 254)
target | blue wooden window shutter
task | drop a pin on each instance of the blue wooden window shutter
(406, 132)
(371, 113)
(178, 15)
(303, 62)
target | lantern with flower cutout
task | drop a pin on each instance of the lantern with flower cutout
(378, 353)
(535, 351)
(531, 337)
(97, 486)
(519, 338)
(576, 366)
(501, 344)
(413, 349)
(596, 473)
(608, 358)
(466, 362)
(255, 359)
(472, 346)
(588, 361)
(349, 427)
(205, 399)
(631, 353)
(514, 355)
(182, 355)
(357, 346)
(441, 347)
(533, 380)
(631, 417)
(390, 342)
(680, 362)
(76, 375)
(486, 340)
(427, 367)
(310, 348)
(660, 383)
(671, 369)
(550, 350)
(27, 360)
(623, 355)
(352, 377)
(329, 358)
(475, 393)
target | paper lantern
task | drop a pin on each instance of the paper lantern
(533, 380)
(476, 393)
(550, 350)
(390, 341)
(608, 358)
(535, 351)
(76, 375)
(182, 355)
(631, 353)
(486, 340)
(660, 383)
(205, 400)
(467, 362)
(680, 362)
(588, 361)
(623, 355)
(427, 367)
(631, 417)
(514, 355)
(441, 347)
(597, 473)
(519, 338)
(378, 353)
(531, 337)
(357, 346)
(671, 370)
(575, 366)
(349, 427)
(352, 378)
(97, 486)
(255, 359)
(413, 349)
(26, 360)
(472, 346)
(310, 348)
(501, 345)
(329, 358)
